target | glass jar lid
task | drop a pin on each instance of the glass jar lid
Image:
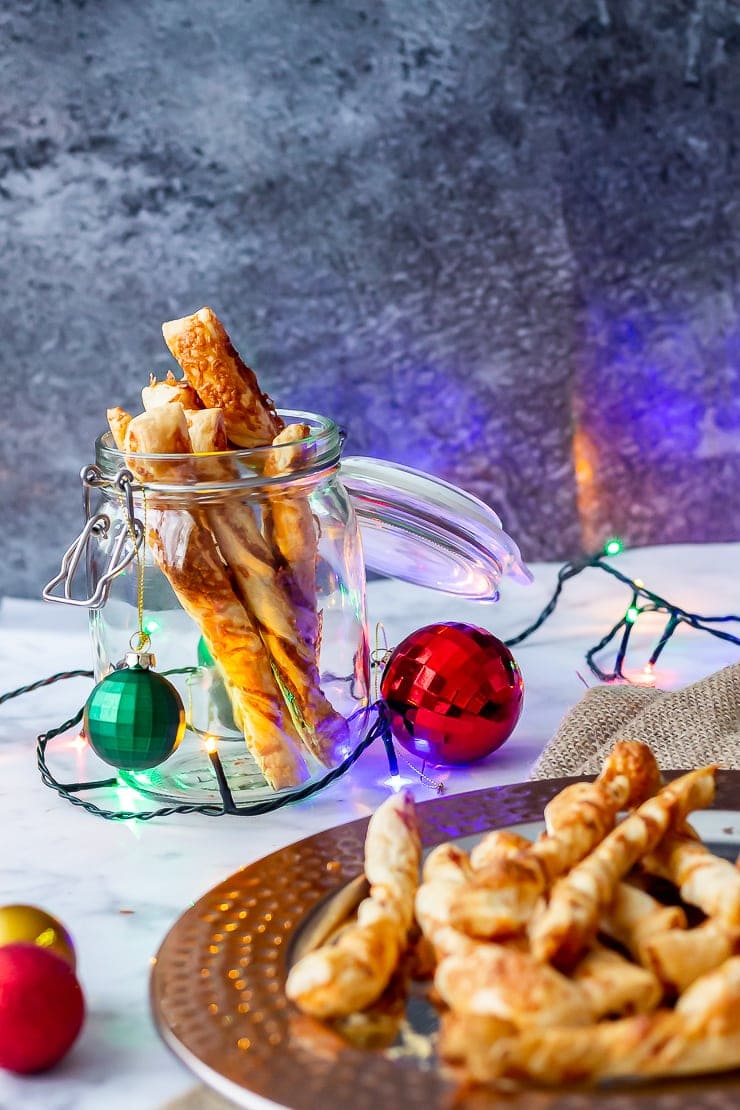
(424, 530)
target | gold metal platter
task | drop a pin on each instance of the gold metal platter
(217, 985)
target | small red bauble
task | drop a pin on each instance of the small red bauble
(453, 693)
(41, 1008)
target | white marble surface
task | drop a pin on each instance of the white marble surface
(87, 871)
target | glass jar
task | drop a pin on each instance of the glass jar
(250, 585)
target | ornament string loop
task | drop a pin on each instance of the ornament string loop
(139, 641)
(124, 480)
(379, 656)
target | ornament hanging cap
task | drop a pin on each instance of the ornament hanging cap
(143, 659)
(139, 656)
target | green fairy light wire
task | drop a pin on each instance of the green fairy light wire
(642, 601)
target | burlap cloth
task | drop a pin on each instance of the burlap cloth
(686, 728)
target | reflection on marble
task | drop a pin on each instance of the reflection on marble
(119, 887)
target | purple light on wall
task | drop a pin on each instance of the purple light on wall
(434, 443)
(642, 385)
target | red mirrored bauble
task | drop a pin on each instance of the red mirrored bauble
(453, 693)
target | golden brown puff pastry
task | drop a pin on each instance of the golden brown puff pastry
(701, 1035)
(581, 815)
(118, 422)
(393, 855)
(578, 899)
(463, 1037)
(501, 897)
(262, 586)
(680, 956)
(510, 984)
(185, 550)
(445, 872)
(634, 917)
(336, 980)
(703, 879)
(496, 845)
(507, 888)
(290, 522)
(221, 379)
(614, 985)
(631, 766)
(207, 430)
(168, 392)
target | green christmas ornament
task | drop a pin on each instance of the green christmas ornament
(205, 659)
(134, 718)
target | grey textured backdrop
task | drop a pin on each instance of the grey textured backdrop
(497, 239)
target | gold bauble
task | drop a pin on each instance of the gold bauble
(30, 925)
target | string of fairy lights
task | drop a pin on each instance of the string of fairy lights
(641, 601)
(70, 791)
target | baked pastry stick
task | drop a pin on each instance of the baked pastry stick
(609, 983)
(118, 422)
(446, 871)
(495, 845)
(221, 379)
(337, 980)
(207, 431)
(701, 1035)
(703, 879)
(500, 898)
(634, 917)
(466, 1037)
(576, 902)
(214, 370)
(185, 550)
(614, 985)
(393, 856)
(581, 815)
(679, 956)
(170, 391)
(657, 937)
(509, 984)
(505, 981)
(448, 862)
(290, 524)
(503, 895)
(292, 527)
(261, 584)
